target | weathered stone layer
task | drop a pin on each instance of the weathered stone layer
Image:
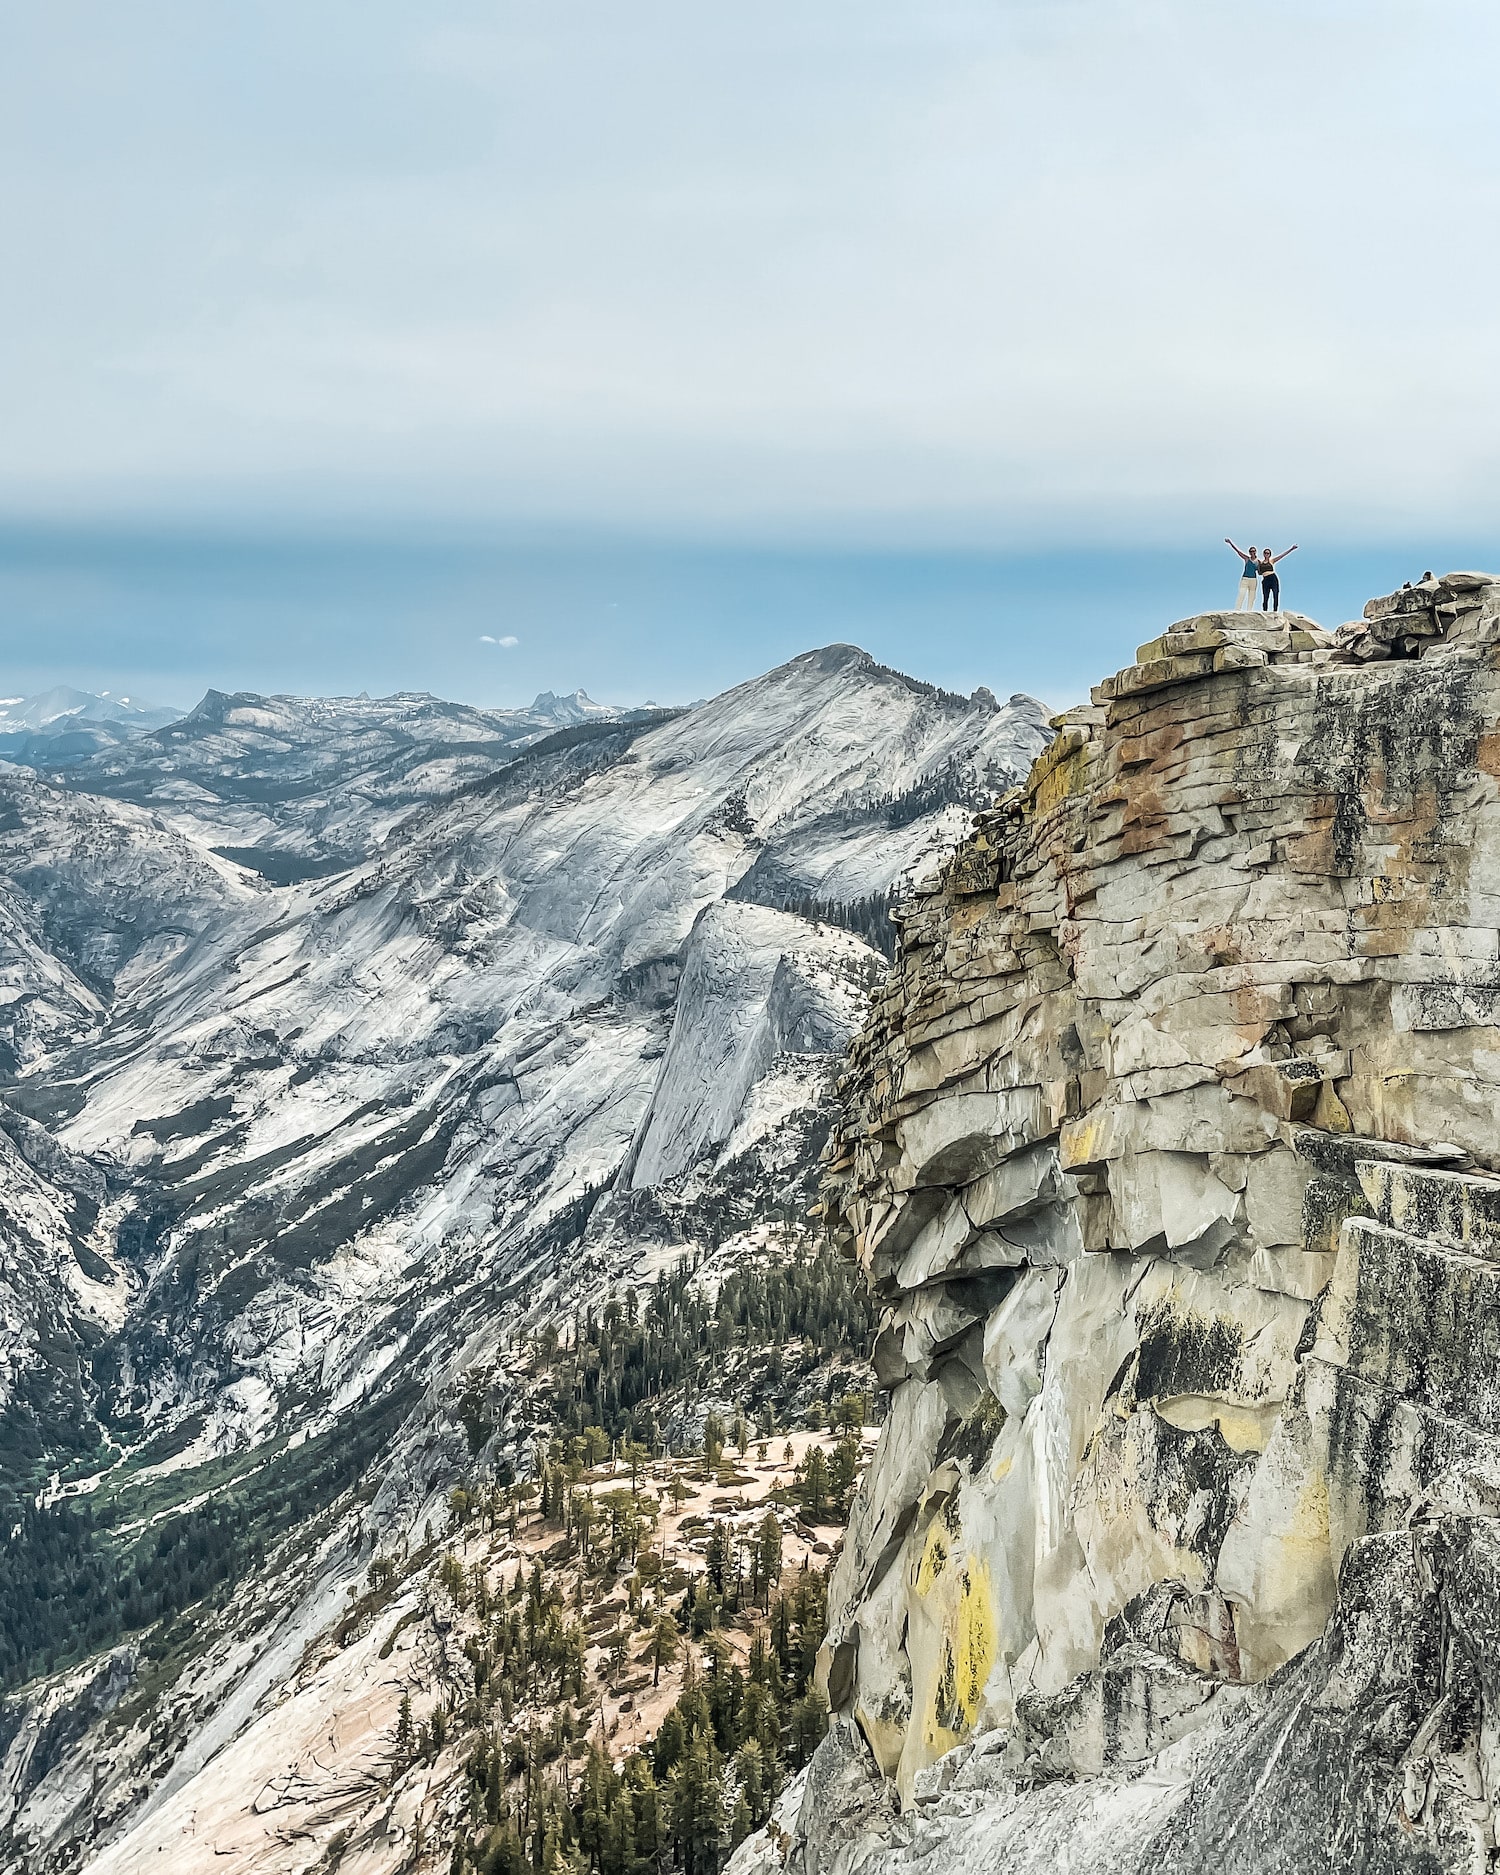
(1223, 976)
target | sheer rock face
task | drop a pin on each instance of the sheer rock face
(759, 988)
(1170, 1150)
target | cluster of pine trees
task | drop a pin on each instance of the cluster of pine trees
(532, 1650)
(70, 1585)
(955, 783)
(64, 1592)
(609, 1369)
(868, 917)
(543, 1794)
(747, 1714)
(682, 1802)
(824, 1486)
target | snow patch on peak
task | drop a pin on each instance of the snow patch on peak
(577, 707)
(63, 706)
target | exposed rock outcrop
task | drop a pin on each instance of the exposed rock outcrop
(759, 988)
(1170, 1150)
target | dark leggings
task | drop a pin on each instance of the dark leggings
(1270, 588)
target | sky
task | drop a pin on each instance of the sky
(339, 344)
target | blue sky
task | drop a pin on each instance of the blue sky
(628, 619)
(674, 339)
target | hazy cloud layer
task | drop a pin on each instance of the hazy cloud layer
(984, 270)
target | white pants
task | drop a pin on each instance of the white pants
(1246, 600)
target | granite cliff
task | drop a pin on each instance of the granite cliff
(1171, 1152)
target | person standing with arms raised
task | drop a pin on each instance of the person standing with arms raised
(1270, 579)
(1248, 574)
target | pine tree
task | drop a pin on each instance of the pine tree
(767, 1557)
(717, 1560)
(815, 1483)
(664, 1643)
(845, 1468)
(809, 1722)
(698, 1808)
(749, 1765)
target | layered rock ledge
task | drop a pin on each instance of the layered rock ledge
(1170, 1149)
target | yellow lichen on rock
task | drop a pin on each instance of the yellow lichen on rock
(957, 1650)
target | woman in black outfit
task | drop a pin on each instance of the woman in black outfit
(1270, 579)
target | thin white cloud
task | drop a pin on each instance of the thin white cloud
(505, 644)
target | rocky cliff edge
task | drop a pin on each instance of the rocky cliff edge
(1170, 1149)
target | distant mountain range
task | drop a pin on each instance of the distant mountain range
(293, 787)
(63, 724)
(344, 1044)
(52, 710)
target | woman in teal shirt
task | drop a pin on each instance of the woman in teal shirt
(1249, 572)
